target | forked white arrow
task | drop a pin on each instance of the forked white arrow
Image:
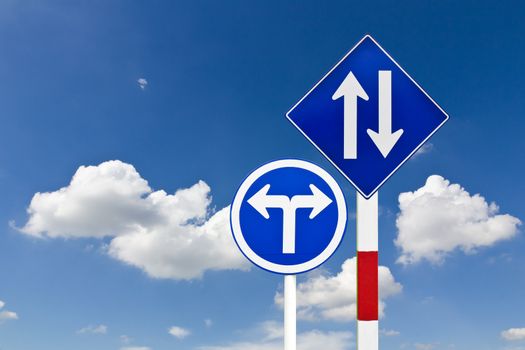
(351, 90)
(385, 140)
(262, 201)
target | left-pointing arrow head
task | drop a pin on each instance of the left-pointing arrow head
(259, 201)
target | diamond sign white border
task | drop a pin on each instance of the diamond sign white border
(410, 155)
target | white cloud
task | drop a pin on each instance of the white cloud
(389, 332)
(271, 330)
(125, 339)
(270, 337)
(99, 329)
(208, 322)
(426, 148)
(6, 315)
(166, 235)
(179, 332)
(334, 297)
(315, 340)
(424, 346)
(142, 83)
(135, 348)
(440, 217)
(513, 334)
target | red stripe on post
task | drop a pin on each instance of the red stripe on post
(367, 286)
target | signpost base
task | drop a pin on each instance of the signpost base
(290, 323)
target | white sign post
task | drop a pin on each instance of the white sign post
(367, 273)
(290, 309)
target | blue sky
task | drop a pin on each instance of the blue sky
(220, 78)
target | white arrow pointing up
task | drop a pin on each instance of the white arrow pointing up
(350, 89)
(262, 201)
(385, 140)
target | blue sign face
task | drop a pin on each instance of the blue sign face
(288, 216)
(367, 116)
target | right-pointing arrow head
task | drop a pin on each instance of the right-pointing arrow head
(320, 201)
(385, 141)
(259, 201)
(350, 86)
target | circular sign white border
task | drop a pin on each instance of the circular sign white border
(297, 268)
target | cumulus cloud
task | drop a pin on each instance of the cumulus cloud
(179, 332)
(143, 83)
(99, 329)
(166, 235)
(513, 334)
(270, 337)
(441, 217)
(6, 315)
(334, 297)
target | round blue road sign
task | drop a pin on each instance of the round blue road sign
(288, 216)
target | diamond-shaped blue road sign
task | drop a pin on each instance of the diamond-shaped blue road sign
(367, 116)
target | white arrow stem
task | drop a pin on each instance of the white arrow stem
(385, 102)
(304, 201)
(289, 228)
(289, 209)
(276, 201)
(350, 128)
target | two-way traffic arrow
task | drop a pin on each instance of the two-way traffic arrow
(384, 138)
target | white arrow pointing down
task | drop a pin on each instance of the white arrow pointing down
(385, 140)
(262, 201)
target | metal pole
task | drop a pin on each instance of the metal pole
(290, 324)
(367, 273)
